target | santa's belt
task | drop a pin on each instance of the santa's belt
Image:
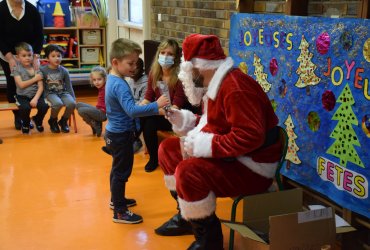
(271, 138)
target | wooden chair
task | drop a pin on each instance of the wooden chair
(13, 106)
(283, 136)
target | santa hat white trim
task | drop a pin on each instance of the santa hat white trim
(206, 64)
(170, 182)
(265, 169)
(188, 123)
(191, 210)
(219, 75)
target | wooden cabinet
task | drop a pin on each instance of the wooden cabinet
(83, 48)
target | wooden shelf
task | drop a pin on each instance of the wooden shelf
(77, 34)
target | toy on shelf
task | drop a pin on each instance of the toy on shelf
(58, 15)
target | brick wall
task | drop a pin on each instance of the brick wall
(180, 18)
(334, 8)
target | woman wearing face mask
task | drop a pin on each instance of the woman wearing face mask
(162, 79)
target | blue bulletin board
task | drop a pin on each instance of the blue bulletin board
(316, 73)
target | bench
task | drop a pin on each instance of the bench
(13, 106)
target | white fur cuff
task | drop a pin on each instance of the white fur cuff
(187, 124)
(265, 169)
(170, 182)
(198, 209)
(202, 145)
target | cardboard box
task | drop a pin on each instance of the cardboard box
(90, 55)
(276, 221)
(91, 37)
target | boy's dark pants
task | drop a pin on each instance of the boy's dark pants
(121, 147)
(25, 109)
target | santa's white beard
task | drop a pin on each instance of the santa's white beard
(194, 94)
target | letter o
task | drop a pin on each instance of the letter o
(337, 83)
(245, 38)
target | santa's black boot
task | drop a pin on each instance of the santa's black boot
(208, 234)
(175, 226)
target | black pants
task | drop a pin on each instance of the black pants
(120, 146)
(25, 109)
(150, 125)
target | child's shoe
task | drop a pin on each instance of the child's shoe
(54, 128)
(39, 126)
(25, 130)
(64, 125)
(127, 217)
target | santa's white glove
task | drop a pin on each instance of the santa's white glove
(175, 117)
(199, 145)
(182, 120)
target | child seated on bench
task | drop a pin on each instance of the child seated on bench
(58, 89)
(29, 89)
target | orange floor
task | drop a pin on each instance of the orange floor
(54, 194)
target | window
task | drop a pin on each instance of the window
(130, 12)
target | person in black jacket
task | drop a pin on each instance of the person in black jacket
(20, 21)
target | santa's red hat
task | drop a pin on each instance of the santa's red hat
(206, 47)
(203, 52)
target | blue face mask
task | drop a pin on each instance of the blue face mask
(165, 61)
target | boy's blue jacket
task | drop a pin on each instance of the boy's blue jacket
(121, 108)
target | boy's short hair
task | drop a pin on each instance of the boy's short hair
(123, 47)
(23, 46)
(52, 47)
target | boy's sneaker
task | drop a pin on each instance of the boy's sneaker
(127, 217)
(25, 130)
(39, 126)
(54, 128)
(129, 203)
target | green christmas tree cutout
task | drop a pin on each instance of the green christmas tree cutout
(291, 155)
(306, 69)
(261, 76)
(344, 134)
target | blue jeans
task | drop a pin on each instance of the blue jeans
(121, 147)
(57, 101)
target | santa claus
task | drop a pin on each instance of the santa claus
(233, 147)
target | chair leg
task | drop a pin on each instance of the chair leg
(232, 219)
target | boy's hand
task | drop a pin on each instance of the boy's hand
(33, 102)
(38, 77)
(163, 101)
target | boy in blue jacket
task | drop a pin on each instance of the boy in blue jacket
(119, 135)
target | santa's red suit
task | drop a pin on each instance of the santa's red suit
(229, 157)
